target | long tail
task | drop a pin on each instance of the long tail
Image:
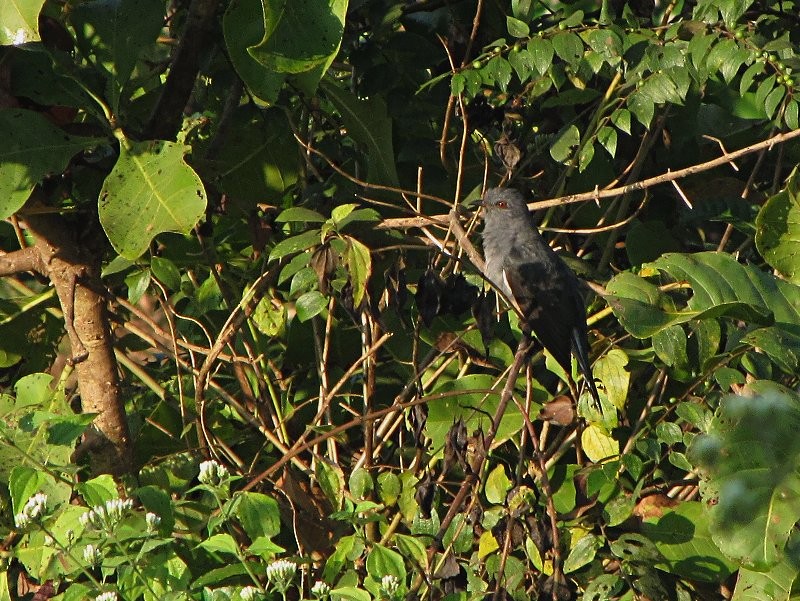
(580, 349)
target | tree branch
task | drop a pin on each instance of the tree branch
(22, 260)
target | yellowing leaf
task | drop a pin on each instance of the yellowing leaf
(598, 444)
(610, 369)
(359, 264)
(487, 544)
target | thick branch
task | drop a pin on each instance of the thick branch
(167, 116)
(74, 273)
(20, 261)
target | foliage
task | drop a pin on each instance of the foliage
(320, 397)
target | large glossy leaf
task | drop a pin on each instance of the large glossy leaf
(114, 33)
(243, 27)
(720, 286)
(299, 35)
(19, 21)
(750, 459)
(150, 190)
(368, 123)
(778, 230)
(32, 148)
(683, 538)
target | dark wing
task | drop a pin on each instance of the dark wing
(545, 295)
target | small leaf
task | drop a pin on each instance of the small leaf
(497, 485)
(598, 444)
(258, 514)
(331, 481)
(382, 561)
(607, 136)
(565, 144)
(582, 553)
(166, 272)
(778, 230)
(310, 304)
(610, 370)
(220, 543)
(300, 214)
(341, 211)
(772, 100)
(388, 488)
(360, 483)
(542, 54)
(517, 28)
(569, 47)
(621, 118)
(487, 544)
(295, 244)
(359, 265)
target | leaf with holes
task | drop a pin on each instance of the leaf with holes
(150, 190)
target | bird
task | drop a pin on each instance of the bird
(545, 292)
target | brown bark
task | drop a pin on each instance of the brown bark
(75, 274)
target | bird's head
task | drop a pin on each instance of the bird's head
(504, 202)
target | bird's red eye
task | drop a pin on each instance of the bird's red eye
(502, 204)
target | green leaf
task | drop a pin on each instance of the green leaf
(220, 543)
(521, 59)
(19, 22)
(721, 286)
(541, 51)
(641, 107)
(500, 71)
(607, 136)
(301, 214)
(517, 28)
(781, 345)
(582, 553)
(243, 28)
(772, 101)
(310, 304)
(349, 593)
(565, 144)
(258, 514)
(114, 33)
(389, 488)
(331, 481)
(751, 473)
(598, 444)
(359, 265)
(774, 584)
(360, 483)
(368, 123)
(749, 75)
(32, 148)
(497, 485)
(683, 537)
(610, 370)
(295, 244)
(167, 272)
(137, 283)
(98, 490)
(150, 190)
(382, 561)
(621, 118)
(790, 116)
(23, 483)
(569, 47)
(300, 35)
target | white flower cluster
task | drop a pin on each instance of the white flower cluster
(106, 517)
(110, 596)
(153, 521)
(212, 473)
(250, 593)
(321, 589)
(281, 573)
(92, 555)
(390, 585)
(34, 509)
